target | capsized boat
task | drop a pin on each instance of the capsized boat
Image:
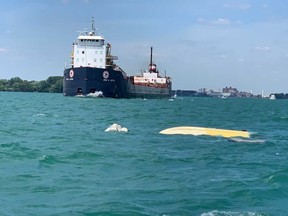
(196, 131)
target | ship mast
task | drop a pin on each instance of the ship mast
(151, 59)
(92, 27)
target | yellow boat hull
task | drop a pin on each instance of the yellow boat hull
(187, 130)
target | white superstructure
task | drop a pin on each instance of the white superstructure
(150, 78)
(90, 50)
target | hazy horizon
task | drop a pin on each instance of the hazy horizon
(200, 44)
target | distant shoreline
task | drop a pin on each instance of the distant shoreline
(54, 84)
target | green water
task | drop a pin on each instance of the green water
(56, 159)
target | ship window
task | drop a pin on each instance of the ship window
(82, 52)
(101, 52)
(77, 59)
(95, 60)
(101, 59)
(81, 40)
(82, 59)
(97, 40)
(96, 52)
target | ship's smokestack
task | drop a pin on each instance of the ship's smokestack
(152, 67)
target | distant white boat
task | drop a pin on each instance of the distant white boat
(272, 97)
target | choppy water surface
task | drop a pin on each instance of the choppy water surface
(56, 159)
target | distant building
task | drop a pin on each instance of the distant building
(212, 93)
(202, 90)
(226, 92)
(230, 90)
(244, 94)
(188, 93)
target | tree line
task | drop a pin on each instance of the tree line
(53, 84)
(281, 96)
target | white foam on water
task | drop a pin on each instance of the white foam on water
(228, 213)
(43, 157)
(40, 114)
(96, 94)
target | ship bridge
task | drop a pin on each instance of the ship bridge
(95, 40)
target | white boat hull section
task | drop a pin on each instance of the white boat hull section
(196, 131)
(245, 140)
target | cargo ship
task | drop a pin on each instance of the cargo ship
(92, 72)
(150, 84)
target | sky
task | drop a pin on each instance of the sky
(199, 43)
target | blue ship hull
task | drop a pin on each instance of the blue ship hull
(111, 83)
(85, 80)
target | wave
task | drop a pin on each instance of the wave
(229, 213)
